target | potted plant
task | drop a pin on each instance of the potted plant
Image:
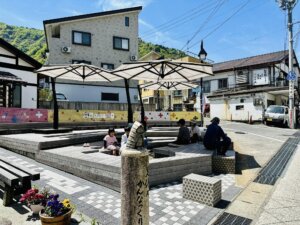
(35, 199)
(57, 212)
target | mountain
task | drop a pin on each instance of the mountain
(167, 53)
(32, 42)
(29, 40)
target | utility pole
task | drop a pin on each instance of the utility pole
(289, 6)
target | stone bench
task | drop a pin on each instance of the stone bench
(163, 152)
(224, 164)
(202, 189)
(16, 179)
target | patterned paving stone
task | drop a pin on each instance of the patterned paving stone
(167, 206)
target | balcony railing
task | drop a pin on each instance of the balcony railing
(247, 86)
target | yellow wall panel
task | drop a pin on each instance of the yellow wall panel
(188, 116)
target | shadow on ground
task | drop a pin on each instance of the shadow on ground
(245, 162)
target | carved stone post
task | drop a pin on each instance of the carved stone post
(134, 180)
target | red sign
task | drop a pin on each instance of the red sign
(16, 115)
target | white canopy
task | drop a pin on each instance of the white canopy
(78, 72)
(168, 86)
(164, 71)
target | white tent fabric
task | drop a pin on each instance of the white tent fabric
(78, 72)
(168, 86)
(164, 71)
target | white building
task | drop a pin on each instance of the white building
(241, 89)
(18, 81)
(105, 39)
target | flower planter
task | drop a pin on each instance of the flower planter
(59, 220)
(36, 208)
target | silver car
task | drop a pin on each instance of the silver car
(276, 114)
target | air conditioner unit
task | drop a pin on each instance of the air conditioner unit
(133, 58)
(66, 49)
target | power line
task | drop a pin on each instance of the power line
(225, 21)
(216, 24)
(196, 10)
(177, 23)
(214, 11)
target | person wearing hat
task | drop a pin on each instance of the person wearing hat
(215, 138)
(183, 137)
(195, 133)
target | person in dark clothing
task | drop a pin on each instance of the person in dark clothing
(183, 137)
(215, 138)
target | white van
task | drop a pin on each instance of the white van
(277, 114)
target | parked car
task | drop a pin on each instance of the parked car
(277, 114)
(61, 97)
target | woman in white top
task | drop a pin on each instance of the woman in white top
(125, 138)
(195, 132)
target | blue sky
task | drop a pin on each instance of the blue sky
(230, 28)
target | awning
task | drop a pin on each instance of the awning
(7, 77)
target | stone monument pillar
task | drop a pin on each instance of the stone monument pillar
(134, 179)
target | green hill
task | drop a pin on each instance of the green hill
(32, 42)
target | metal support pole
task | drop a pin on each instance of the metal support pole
(129, 111)
(142, 107)
(158, 101)
(291, 82)
(55, 105)
(201, 102)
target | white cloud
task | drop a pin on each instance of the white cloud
(119, 4)
(73, 12)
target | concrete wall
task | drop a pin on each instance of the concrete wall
(85, 93)
(102, 30)
(238, 108)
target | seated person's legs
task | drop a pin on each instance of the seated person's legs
(225, 145)
(114, 149)
(194, 138)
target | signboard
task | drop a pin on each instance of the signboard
(260, 77)
(291, 76)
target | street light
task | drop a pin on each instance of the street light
(202, 55)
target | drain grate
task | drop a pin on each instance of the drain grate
(230, 219)
(272, 171)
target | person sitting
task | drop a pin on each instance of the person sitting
(195, 133)
(215, 138)
(125, 137)
(183, 137)
(110, 142)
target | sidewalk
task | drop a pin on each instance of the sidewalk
(283, 206)
(167, 206)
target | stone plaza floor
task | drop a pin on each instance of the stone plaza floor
(167, 207)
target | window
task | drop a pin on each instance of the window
(17, 93)
(82, 38)
(177, 107)
(239, 107)
(109, 96)
(206, 86)
(178, 93)
(56, 31)
(126, 21)
(81, 61)
(107, 66)
(223, 83)
(121, 43)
